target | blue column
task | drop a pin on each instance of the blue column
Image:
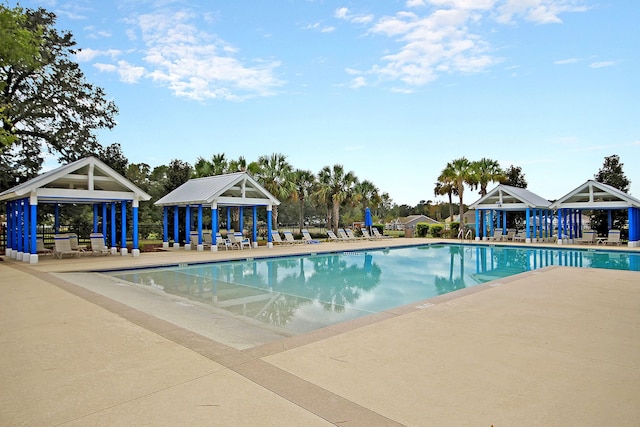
(498, 219)
(176, 237)
(527, 223)
(560, 224)
(9, 225)
(634, 226)
(95, 218)
(165, 224)
(504, 221)
(134, 214)
(104, 222)
(483, 218)
(228, 218)
(492, 214)
(269, 225)
(113, 224)
(56, 218)
(20, 225)
(200, 224)
(609, 220)
(123, 232)
(187, 225)
(214, 223)
(579, 234)
(240, 218)
(34, 228)
(570, 218)
(255, 224)
(26, 228)
(477, 225)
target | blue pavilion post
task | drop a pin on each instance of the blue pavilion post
(165, 227)
(187, 228)
(9, 247)
(123, 232)
(176, 228)
(228, 219)
(95, 217)
(254, 236)
(461, 230)
(114, 250)
(269, 241)
(104, 222)
(634, 228)
(56, 218)
(214, 227)
(33, 257)
(200, 245)
(19, 229)
(134, 214)
(25, 231)
(527, 225)
(240, 219)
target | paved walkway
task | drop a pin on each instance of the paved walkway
(559, 346)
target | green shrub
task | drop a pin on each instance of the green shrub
(454, 227)
(436, 230)
(422, 229)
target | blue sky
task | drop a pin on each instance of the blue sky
(392, 90)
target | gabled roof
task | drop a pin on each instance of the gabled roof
(417, 218)
(596, 195)
(234, 189)
(506, 197)
(85, 180)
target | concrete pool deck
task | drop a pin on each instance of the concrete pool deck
(558, 346)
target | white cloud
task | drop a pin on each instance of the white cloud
(447, 37)
(538, 11)
(567, 61)
(319, 27)
(88, 54)
(192, 63)
(602, 64)
(345, 14)
(358, 82)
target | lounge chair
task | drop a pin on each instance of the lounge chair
(41, 249)
(73, 240)
(344, 236)
(276, 239)
(206, 240)
(241, 240)
(97, 244)
(377, 234)
(510, 235)
(613, 238)
(307, 237)
(63, 246)
(350, 234)
(288, 236)
(366, 235)
(497, 234)
(588, 238)
(221, 241)
(333, 237)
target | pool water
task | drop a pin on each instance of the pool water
(304, 293)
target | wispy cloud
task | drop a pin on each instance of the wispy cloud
(437, 37)
(88, 54)
(192, 63)
(602, 64)
(567, 61)
(319, 27)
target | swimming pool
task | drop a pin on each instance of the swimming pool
(304, 293)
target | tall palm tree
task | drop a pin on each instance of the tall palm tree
(486, 171)
(445, 188)
(335, 186)
(202, 168)
(275, 175)
(459, 172)
(219, 164)
(304, 181)
(368, 193)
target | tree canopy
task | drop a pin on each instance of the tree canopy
(46, 104)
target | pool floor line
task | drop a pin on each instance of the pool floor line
(315, 399)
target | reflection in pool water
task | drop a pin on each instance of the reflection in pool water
(312, 291)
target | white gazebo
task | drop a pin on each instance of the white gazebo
(493, 207)
(234, 190)
(87, 181)
(594, 195)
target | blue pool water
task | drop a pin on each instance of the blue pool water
(303, 293)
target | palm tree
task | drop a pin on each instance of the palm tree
(219, 164)
(459, 172)
(486, 171)
(304, 181)
(275, 175)
(335, 186)
(202, 168)
(368, 193)
(443, 187)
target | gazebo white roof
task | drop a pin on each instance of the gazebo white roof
(508, 198)
(596, 195)
(234, 189)
(87, 180)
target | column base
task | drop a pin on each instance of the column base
(7, 252)
(176, 246)
(135, 252)
(634, 244)
(255, 245)
(270, 245)
(17, 256)
(114, 250)
(187, 247)
(200, 248)
(124, 251)
(26, 256)
(214, 248)
(33, 259)
(165, 245)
